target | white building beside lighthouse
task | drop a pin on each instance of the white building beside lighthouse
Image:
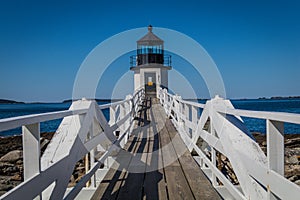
(150, 65)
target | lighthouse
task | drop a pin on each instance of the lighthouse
(150, 65)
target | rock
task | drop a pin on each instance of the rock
(8, 144)
(5, 187)
(72, 182)
(297, 182)
(223, 158)
(294, 178)
(16, 177)
(4, 167)
(292, 160)
(2, 193)
(19, 162)
(12, 156)
(291, 170)
(81, 169)
(10, 170)
(292, 151)
(44, 144)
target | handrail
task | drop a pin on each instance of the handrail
(14, 122)
(76, 137)
(104, 106)
(276, 116)
(226, 135)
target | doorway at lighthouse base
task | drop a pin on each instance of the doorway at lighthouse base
(150, 84)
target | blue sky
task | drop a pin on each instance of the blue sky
(255, 44)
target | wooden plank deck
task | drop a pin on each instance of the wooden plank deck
(149, 151)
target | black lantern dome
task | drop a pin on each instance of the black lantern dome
(150, 49)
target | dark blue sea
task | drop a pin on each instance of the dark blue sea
(277, 105)
(254, 125)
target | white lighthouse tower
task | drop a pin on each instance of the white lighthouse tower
(150, 65)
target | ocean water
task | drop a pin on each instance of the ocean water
(278, 105)
(254, 125)
(13, 110)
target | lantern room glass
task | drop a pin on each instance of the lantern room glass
(150, 54)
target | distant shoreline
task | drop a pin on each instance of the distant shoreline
(7, 101)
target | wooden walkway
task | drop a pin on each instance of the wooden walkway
(155, 164)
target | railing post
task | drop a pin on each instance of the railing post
(275, 149)
(128, 109)
(178, 110)
(112, 115)
(166, 99)
(194, 118)
(275, 146)
(92, 160)
(213, 155)
(122, 127)
(31, 151)
(187, 118)
(92, 154)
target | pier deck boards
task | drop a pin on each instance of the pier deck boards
(166, 168)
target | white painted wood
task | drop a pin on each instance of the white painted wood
(246, 157)
(213, 155)
(194, 119)
(275, 149)
(275, 146)
(83, 128)
(233, 140)
(186, 119)
(31, 150)
(274, 116)
(113, 104)
(112, 115)
(14, 122)
(282, 187)
(230, 187)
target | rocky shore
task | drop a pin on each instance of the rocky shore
(11, 160)
(291, 158)
(291, 154)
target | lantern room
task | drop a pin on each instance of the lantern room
(150, 65)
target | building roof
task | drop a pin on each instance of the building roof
(150, 38)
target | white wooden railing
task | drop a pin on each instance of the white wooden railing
(83, 132)
(259, 176)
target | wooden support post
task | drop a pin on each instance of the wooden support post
(187, 118)
(194, 119)
(127, 123)
(275, 149)
(92, 155)
(112, 115)
(122, 127)
(92, 161)
(31, 151)
(213, 156)
(275, 146)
